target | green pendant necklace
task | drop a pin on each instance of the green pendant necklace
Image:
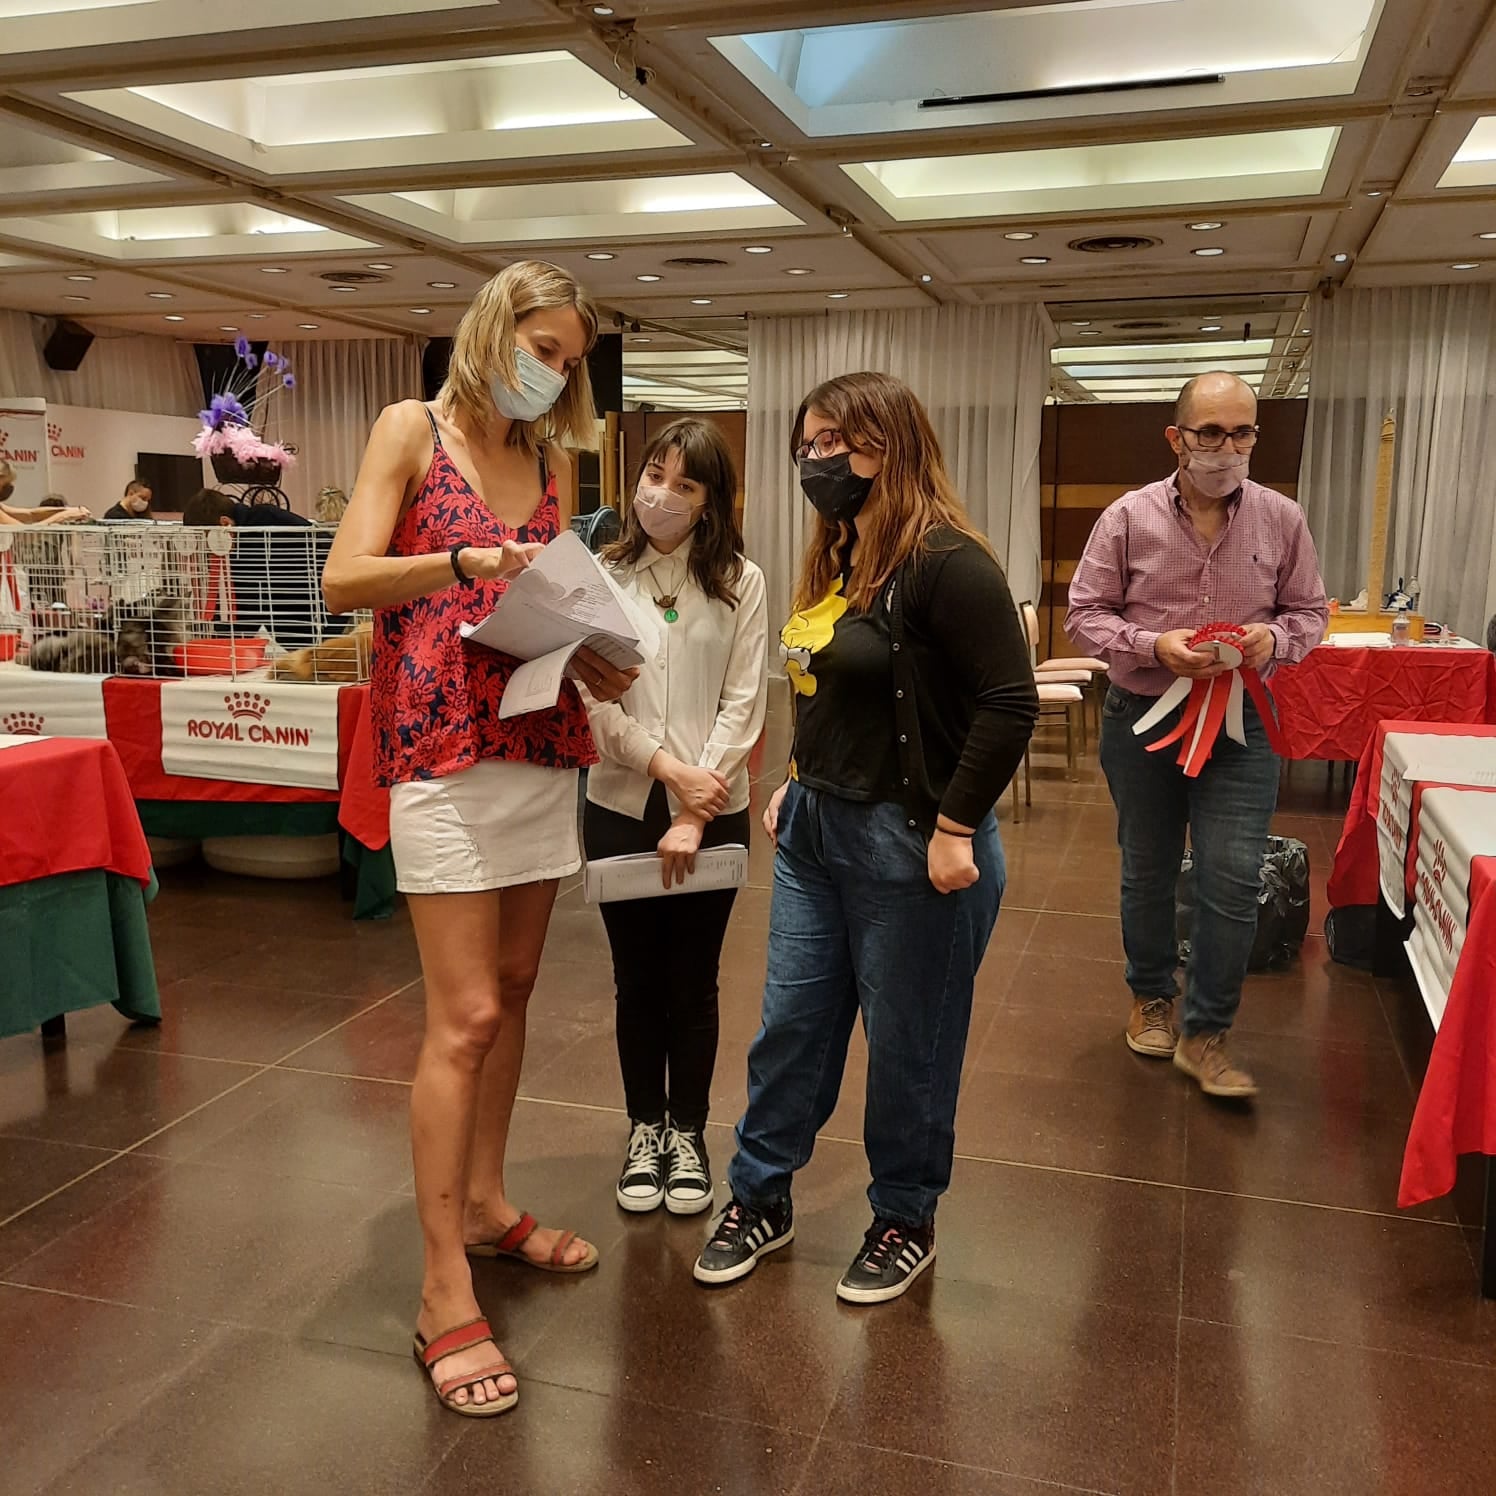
(666, 604)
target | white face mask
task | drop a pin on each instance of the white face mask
(665, 516)
(1216, 474)
(540, 386)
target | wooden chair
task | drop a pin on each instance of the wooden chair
(1057, 697)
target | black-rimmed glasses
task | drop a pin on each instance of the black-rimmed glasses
(1213, 438)
(825, 443)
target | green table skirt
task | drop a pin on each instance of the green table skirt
(373, 873)
(78, 940)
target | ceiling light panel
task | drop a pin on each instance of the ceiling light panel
(1060, 60)
(537, 104)
(1474, 164)
(615, 210)
(1094, 178)
(31, 162)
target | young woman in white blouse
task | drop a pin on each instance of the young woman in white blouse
(674, 779)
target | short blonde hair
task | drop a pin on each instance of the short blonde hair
(331, 504)
(484, 346)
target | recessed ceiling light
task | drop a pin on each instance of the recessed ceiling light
(273, 270)
(758, 249)
(766, 145)
(925, 280)
(836, 295)
(648, 279)
(379, 266)
(641, 340)
(1019, 234)
(308, 326)
(174, 317)
(228, 329)
(442, 285)
(1478, 236)
(1373, 194)
(420, 311)
(701, 301)
(1303, 332)
(75, 297)
(1035, 260)
(799, 270)
(258, 316)
(1095, 332)
(160, 295)
(1340, 259)
(1211, 327)
(1206, 225)
(1082, 324)
(601, 254)
(345, 290)
(1464, 265)
(89, 277)
(602, 10)
(1211, 250)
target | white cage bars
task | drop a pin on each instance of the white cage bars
(167, 600)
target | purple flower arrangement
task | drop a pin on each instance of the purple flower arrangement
(228, 422)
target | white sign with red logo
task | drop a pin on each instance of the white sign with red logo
(253, 731)
(34, 703)
(23, 444)
(1454, 826)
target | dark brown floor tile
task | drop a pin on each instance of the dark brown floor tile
(569, 1443)
(1314, 998)
(980, 1376)
(315, 1127)
(1324, 1076)
(1057, 1042)
(839, 1469)
(1133, 1131)
(1090, 978)
(41, 1224)
(1084, 892)
(382, 1043)
(30, 1168)
(1401, 1285)
(1098, 937)
(259, 1413)
(351, 967)
(1062, 1236)
(186, 949)
(90, 1367)
(584, 1074)
(102, 1098)
(1263, 1413)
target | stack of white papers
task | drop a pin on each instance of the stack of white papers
(641, 875)
(562, 602)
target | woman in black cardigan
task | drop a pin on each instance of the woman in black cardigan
(914, 700)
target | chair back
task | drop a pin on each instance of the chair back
(1030, 622)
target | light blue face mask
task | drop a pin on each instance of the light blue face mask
(539, 389)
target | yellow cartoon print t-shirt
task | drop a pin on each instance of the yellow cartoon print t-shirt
(806, 634)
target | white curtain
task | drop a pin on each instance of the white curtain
(982, 374)
(341, 386)
(1427, 355)
(157, 376)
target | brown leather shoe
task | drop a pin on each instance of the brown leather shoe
(1206, 1058)
(1151, 1030)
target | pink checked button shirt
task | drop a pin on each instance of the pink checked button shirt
(1145, 572)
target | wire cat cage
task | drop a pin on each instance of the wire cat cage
(166, 600)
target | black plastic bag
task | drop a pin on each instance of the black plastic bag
(1282, 905)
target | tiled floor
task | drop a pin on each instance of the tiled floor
(209, 1252)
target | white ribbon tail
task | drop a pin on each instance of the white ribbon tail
(1236, 722)
(1175, 696)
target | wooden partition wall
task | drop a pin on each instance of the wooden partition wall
(635, 428)
(1093, 454)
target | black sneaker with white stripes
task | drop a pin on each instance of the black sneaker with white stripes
(688, 1178)
(891, 1258)
(641, 1185)
(741, 1236)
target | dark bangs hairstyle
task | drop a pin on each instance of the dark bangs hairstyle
(910, 498)
(717, 542)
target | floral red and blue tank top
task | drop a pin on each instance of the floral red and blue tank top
(434, 696)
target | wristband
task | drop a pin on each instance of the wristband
(457, 570)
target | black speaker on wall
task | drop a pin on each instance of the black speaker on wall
(605, 365)
(434, 360)
(66, 346)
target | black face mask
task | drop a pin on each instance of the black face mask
(830, 484)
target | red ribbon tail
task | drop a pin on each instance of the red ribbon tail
(1218, 694)
(1264, 704)
(1187, 714)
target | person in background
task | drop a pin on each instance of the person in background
(46, 513)
(452, 500)
(914, 700)
(54, 501)
(330, 507)
(674, 779)
(1204, 545)
(136, 503)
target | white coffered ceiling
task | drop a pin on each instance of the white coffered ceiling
(1152, 170)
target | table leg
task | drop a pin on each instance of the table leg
(56, 1028)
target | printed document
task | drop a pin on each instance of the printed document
(641, 875)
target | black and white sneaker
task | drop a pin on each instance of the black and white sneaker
(688, 1179)
(741, 1236)
(641, 1186)
(891, 1258)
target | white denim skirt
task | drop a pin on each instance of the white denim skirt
(495, 825)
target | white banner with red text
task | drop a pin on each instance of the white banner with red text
(259, 732)
(34, 703)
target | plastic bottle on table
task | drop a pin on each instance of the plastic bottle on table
(1401, 632)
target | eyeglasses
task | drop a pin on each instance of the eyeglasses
(826, 443)
(1213, 438)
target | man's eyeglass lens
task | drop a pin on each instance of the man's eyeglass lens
(1213, 438)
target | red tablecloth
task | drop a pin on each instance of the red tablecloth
(1456, 1110)
(1354, 877)
(66, 807)
(1331, 702)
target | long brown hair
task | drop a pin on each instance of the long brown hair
(911, 497)
(717, 544)
(484, 346)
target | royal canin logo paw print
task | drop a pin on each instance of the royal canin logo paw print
(247, 704)
(54, 432)
(4, 438)
(23, 724)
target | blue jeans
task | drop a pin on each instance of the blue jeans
(1228, 810)
(855, 925)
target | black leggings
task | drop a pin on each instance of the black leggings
(665, 957)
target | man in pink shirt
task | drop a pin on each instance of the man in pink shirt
(1202, 546)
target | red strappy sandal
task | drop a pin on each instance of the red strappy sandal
(519, 1233)
(460, 1338)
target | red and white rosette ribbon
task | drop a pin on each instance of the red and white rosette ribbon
(1212, 704)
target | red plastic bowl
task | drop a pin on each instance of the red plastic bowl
(221, 656)
(8, 646)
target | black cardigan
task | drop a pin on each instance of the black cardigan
(965, 701)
